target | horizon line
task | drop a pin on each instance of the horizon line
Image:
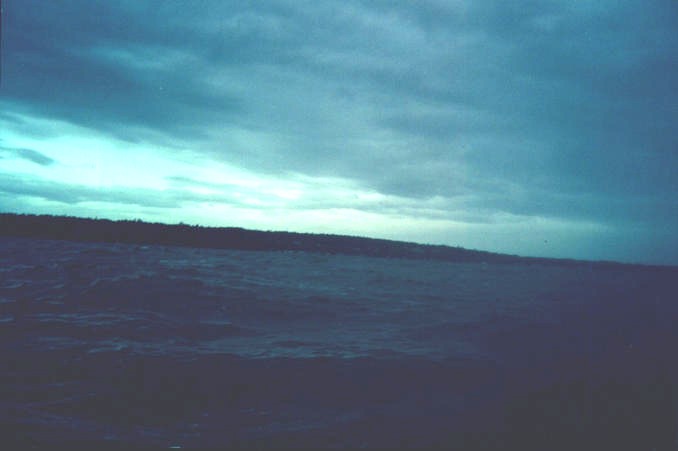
(514, 258)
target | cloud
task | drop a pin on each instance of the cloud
(28, 154)
(75, 194)
(108, 69)
(449, 109)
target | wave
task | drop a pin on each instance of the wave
(195, 347)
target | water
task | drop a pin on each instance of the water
(110, 344)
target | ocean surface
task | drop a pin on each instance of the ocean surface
(169, 347)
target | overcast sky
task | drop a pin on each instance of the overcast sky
(545, 128)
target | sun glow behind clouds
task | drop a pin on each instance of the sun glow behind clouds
(99, 170)
(188, 187)
(92, 159)
(96, 175)
(84, 156)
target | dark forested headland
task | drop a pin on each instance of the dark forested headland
(139, 232)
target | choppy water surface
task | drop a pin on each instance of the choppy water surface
(169, 346)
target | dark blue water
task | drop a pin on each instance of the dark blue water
(123, 345)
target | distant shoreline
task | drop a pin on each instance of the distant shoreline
(139, 232)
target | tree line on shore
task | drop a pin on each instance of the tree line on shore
(139, 232)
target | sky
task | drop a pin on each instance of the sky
(542, 128)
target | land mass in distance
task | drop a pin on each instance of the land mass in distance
(139, 232)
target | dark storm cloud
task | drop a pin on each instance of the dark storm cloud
(542, 108)
(61, 61)
(27, 154)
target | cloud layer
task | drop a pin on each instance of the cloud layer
(469, 112)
